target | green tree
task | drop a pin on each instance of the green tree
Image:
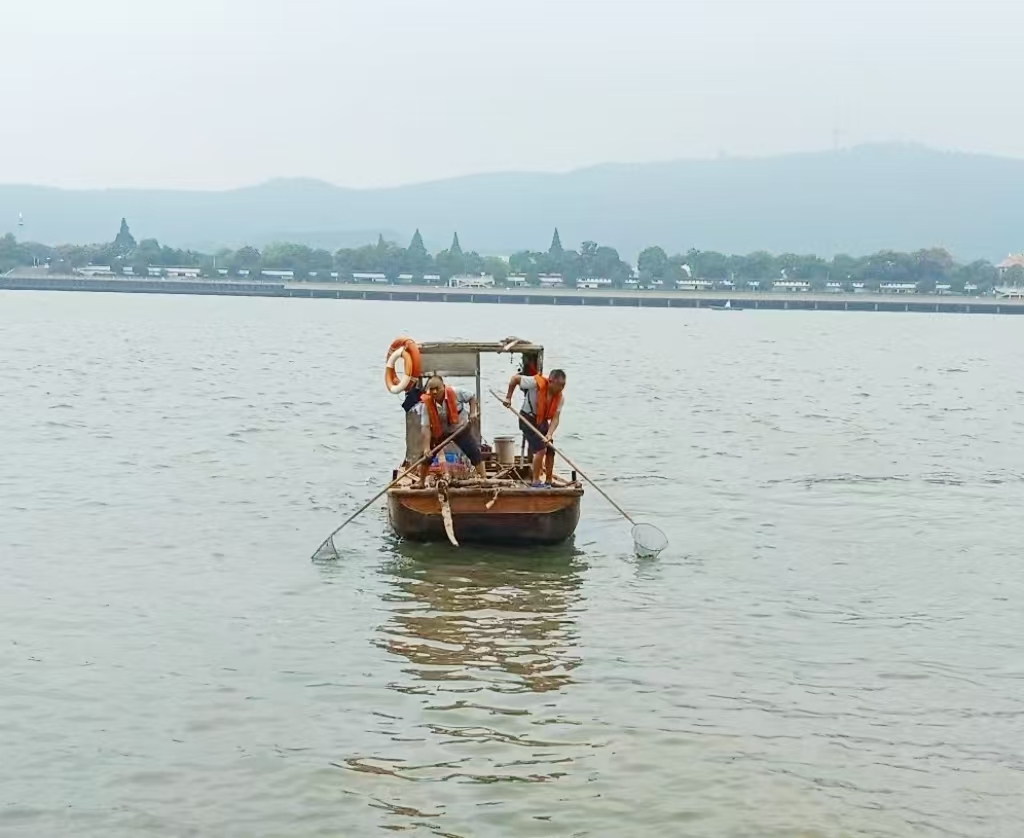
(803, 267)
(285, 256)
(759, 266)
(931, 266)
(391, 261)
(417, 260)
(12, 254)
(570, 266)
(846, 268)
(245, 258)
(321, 260)
(556, 250)
(345, 263)
(586, 260)
(124, 242)
(147, 252)
(705, 264)
(208, 266)
(72, 255)
(1014, 276)
(451, 262)
(497, 268)
(223, 259)
(524, 262)
(652, 264)
(607, 263)
(889, 266)
(472, 262)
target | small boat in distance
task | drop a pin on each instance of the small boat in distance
(457, 505)
(727, 307)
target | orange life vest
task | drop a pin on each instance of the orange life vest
(547, 408)
(452, 405)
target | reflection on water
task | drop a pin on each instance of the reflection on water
(500, 623)
(488, 642)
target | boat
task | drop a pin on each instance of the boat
(502, 509)
(727, 307)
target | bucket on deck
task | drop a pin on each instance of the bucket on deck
(505, 448)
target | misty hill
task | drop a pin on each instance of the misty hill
(855, 201)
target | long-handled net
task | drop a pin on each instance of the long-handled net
(329, 541)
(648, 540)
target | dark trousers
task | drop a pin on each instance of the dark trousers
(467, 444)
(534, 442)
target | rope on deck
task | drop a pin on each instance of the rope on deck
(446, 511)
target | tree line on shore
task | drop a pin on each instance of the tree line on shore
(925, 268)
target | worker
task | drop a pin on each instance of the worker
(542, 407)
(443, 410)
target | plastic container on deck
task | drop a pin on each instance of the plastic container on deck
(452, 465)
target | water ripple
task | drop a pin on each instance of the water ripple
(829, 648)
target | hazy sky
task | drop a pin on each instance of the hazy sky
(220, 93)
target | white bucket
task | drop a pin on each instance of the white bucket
(505, 448)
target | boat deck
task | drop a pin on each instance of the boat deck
(505, 477)
(501, 510)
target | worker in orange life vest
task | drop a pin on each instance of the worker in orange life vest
(542, 407)
(443, 410)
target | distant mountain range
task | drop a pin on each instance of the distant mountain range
(855, 201)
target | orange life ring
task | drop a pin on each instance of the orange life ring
(408, 352)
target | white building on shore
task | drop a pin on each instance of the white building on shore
(791, 285)
(897, 287)
(471, 281)
(95, 270)
(694, 284)
(182, 273)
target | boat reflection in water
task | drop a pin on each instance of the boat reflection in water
(488, 645)
(501, 624)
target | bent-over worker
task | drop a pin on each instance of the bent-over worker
(542, 408)
(443, 410)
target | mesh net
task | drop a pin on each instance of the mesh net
(648, 540)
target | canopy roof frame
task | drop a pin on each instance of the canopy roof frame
(461, 359)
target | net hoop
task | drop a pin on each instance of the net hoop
(648, 541)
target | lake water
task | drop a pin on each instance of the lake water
(831, 646)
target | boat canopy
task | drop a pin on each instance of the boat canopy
(462, 358)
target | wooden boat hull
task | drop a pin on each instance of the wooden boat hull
(517, 517)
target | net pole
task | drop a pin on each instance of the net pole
(571, 464)
(404, 474)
